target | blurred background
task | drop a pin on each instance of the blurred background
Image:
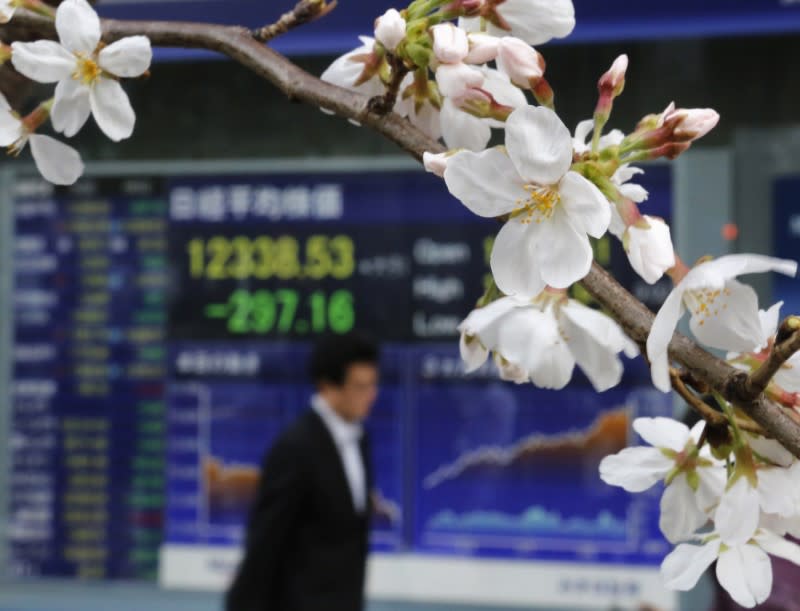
(163, 307)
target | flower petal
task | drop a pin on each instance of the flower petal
(128, 57)
(454, 80)
(71, 108)
(650, 251)
(483, 322)
(731, 322)
(714, 273)
(348, 69)
(587, 208)
(537, 21)
(563, 252)
(112, 109)
(683, 567)
(11, 128)
(58, 163)
(771, 450)
(773, 483)
(778, 546)
(472, 352)
(711, 487)
(770, 318)
(531, 338)
(513, 267)
(428, 119)
(524, 334)
(461, 130)
(43, 61)
(582, 131)
(660, 336)
(594, 340)
(503, 91)
(745, 572)
(635, 469)
(539, 144)
(736, 517)
(553, 369)
(486, 182)
(78, 26)
(661, 432)
(680, 515)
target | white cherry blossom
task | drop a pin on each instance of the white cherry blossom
(553, 210)
(695, 480)
(743, 569)
(87, 79)
(543, 339)
(58, 163)
(534, 21)
(724, 312)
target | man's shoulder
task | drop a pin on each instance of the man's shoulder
(302, 431)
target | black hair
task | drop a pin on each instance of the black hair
(334, 354)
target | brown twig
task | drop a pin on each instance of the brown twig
(787, 344)
(239, 44)
(304, 11)
(385, 103)
(708, 413)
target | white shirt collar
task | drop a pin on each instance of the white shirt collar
(342, 431)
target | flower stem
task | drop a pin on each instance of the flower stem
(727, 408)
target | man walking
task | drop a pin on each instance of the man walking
(307, 537)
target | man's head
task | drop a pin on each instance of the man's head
(344, 368)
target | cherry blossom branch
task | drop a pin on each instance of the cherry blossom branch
(637, 319)
(787, 344)
(238, 44)
(304, 11)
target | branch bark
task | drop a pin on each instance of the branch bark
(238, 44)
(782, 351)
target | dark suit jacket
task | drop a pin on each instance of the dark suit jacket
(306, 546)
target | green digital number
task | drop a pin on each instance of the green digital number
(285, 311)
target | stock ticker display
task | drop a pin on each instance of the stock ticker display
(162, 326)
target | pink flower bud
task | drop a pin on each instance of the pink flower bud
(483, 48)
(691, 124)
(450, 44)
(521, 62)
(390, 29)
(613, 81)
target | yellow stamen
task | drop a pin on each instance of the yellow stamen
(539, 206)
(87, 71)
